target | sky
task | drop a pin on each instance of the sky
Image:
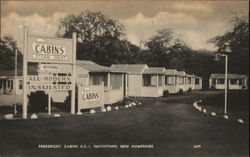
(194, 22)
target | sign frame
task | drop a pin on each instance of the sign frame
(26, 58)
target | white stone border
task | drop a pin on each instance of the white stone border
(203, 110)
(91, 111)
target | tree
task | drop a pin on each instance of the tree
(176, 63)
(158, 47)
(235, 40)
(8, 46)
(100, 38)
(161, 39)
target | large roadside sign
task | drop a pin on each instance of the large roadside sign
(90, 97)
(50, 50)
(57, 53)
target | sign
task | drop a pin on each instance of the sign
(49, 67)
(90, 97)
(49, 82)
(51, 50)
(48, 78)
(49, 87)
(83, 75)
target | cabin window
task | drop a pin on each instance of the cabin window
(4, 84)
(149, 80)
(11, 84)
(233, 81)
(1, 84)
(20, 84)
(159, 80)
(97, 79)
(8, 84)
(146, 80)
(181, 80)
(116, 81)
(213, 81)
(220, 81)
(169, 80)
(197, 81)
(240, 82)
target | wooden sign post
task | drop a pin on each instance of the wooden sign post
(25, 102)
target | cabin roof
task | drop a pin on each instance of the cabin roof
(230, 76)
(170, 72)
(154, 70)
(130, 68)
(92, 67)
(181, 73)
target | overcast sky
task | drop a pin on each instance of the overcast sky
(194, 22)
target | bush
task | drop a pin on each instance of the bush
(212, 87)
(165, 93)
(38, 101)
(244, 87)
(67, 103)
(189, 89)
(180, 91)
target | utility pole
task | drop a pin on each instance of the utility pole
(226, 80)
(14, 82)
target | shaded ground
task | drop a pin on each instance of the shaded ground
(237, 106)
(171, 124)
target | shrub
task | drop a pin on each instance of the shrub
(38, 101)
(165, 93)
(212, 87)
(180, 91)
(67, 102)
(189, 89)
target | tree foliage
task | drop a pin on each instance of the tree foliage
(158, 47)
(100, 38)
(8, 46)
(90, 26)
(235, 42)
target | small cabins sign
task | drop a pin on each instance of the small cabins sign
(50, 50)
(90, 97)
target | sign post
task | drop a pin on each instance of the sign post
(73, 75)
(226, 82)
(49, 103)
(25, 103)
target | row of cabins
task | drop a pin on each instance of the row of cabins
(119, 80)
(144, 81)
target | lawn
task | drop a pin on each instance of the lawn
(171, 125)
(237, 106)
